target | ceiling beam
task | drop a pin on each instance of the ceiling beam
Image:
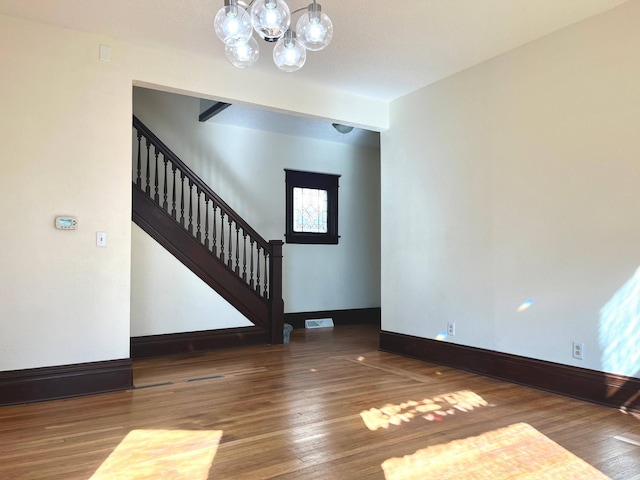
(213, 110)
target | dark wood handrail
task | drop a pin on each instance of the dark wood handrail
(166, 151)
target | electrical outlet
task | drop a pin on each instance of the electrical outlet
(578, 350)
(451, 328)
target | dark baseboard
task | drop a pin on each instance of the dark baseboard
(49, 383)
(354, 316)
(607, 389)
(187, 342)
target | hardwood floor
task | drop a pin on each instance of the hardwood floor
(294, 412)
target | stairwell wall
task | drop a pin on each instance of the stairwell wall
(246, 168)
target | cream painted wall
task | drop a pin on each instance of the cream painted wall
(246, 168)
(65, 133)
(516, 179)
(63, 300)
(166, 297)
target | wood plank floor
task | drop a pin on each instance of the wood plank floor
(294, 412)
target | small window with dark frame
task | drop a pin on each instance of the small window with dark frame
(312, 207)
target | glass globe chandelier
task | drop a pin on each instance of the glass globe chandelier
(236, 21)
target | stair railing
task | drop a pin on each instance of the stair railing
(177, 190)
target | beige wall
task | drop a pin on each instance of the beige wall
(166, 297)
(65, 134)
(519, 178)
(515, 179)
(64, 145)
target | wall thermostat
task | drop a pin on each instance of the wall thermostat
(66, 222)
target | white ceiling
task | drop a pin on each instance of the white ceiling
(380, 49)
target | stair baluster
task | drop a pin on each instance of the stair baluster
(237, 270)
(148, 187)
(229, 261)
(221, 235)
(214, 248)
(198, 235)
(206, 222)
(258, 269)
(139, 165)
(251, 267)
(190, 229)
(155, 179)
(164, 189)
(182, 199)
(173, 196)
(266, 278)
(244, 257)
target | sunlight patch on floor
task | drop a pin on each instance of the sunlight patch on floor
(518, 451)
(153, 454)
(430, 409)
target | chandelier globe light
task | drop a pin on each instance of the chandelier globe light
(242, 55)
(232, 23)
(289, 54)
(314, 28)
(271, 20)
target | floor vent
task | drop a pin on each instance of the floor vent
(203, 378)
(153, 385)
(319, 323)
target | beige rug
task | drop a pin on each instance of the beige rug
(155, 454)
(515, 452)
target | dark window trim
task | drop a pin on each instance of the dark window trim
(320, 181)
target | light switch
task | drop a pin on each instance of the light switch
(101, 239)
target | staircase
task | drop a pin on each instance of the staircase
(182, 213)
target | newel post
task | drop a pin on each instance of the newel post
(275, 292)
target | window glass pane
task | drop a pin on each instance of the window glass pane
(310, 210)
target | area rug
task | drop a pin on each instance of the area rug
(515, 452)
(154, 454)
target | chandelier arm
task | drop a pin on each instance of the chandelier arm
(246, 6)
